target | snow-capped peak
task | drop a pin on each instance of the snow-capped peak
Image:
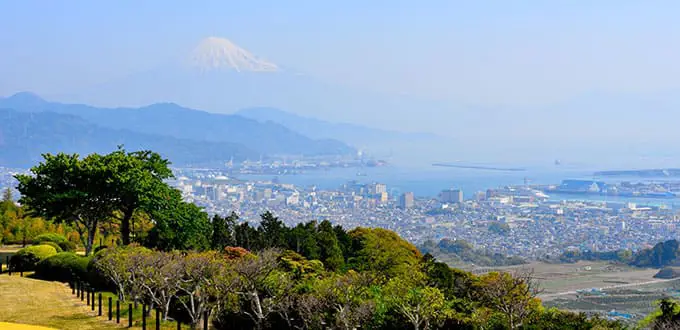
(215, 53)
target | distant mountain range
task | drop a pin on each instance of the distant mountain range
(24, 136)
(221, 77)
(356, 135)
(184, 135)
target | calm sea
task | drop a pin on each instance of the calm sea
(429, 181)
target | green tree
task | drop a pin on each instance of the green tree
(223, 231)
(344, 240)
(421, 305)
(383, 252)
(70, 189)
(136, 181)
(302, 240)
(179, 225)
(248, 237)
(514, 295)
(272, 230)
(330, 252)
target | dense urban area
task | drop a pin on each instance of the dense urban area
(516, 220)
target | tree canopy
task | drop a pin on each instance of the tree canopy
(98, 188)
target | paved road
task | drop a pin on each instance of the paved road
(618, 286)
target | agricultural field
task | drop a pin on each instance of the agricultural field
(601, 287)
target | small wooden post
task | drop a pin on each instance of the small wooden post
(205, 320)
(129, 315)
(158, 319)
(143, 316)
(88, 295)
(9, 266)
(100, 304)
(179, 325)
(110, 308)
(94, 302)
(117, 311)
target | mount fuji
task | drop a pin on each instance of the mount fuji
(221, 77)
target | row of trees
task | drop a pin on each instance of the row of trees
(661, 255)
(384, 284)
(19, 227)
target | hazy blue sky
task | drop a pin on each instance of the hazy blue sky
(477, 52)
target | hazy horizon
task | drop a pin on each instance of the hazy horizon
(528, 79)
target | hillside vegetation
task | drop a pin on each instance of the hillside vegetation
(314, 275)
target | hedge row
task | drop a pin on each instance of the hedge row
(55, 239)
(61, 266)
(27, 258)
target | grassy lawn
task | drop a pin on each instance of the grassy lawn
(14, 326)
(51, 304)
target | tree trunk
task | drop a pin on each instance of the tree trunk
(125, 226)
(90, 239)
(166, 310)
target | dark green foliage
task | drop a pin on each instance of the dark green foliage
(136, 178)
(67, 246)
(453, 283)
(179, 225)
(59, 267)
(661, 255)
(668, 316)
(302, 240)
(329, 248)
(668, 273)
(49, 237)
(69, 189)
(223, 231)
(248, 237)
(27, 258)
(99, 248)
(272, 231)
(572, 256)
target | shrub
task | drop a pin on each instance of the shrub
(49, 237)
(60, 266)
(26, 258)
(99, 248)
(67, 246)
(54, 245)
